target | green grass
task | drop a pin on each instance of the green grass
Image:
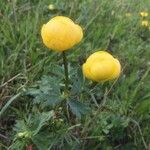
(123, 120)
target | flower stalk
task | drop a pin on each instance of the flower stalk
(66, 91)
(66, 71)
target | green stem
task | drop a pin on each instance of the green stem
(66, 91)
(66, 71)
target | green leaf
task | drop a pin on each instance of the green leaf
(50, 99)
(43, 118)
(42, 140)
(19, 144)
(33, 91)
(46, 92)
(20, 126)
(30, 127)
(77, 82)
(57, 70)
(78, 108)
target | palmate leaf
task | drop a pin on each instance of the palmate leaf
(20, 126)
(30, 129)
(46, 92)
(33, 124)
(42, 140)
(77, 82)
(19, 145)
(78, 108)
(60, 139)
(57, 70)
(47, 140)
(42, 119)
(47, 99)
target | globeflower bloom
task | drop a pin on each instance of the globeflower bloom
(101, 66)
(61, 33)
(144, 14)
(145, 23)
(51, 7)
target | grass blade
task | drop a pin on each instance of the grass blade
(9, 102)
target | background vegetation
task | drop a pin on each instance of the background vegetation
(112, 115)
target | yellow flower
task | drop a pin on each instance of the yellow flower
(144, 14)
(145, 23)
(61, 33)
(51, 7)
(101, 66)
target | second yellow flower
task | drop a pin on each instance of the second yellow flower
(101, 66)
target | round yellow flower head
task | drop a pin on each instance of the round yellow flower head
(145, 23)
(101, 66)
(61, 33)
(144, 14)
(51, 7)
